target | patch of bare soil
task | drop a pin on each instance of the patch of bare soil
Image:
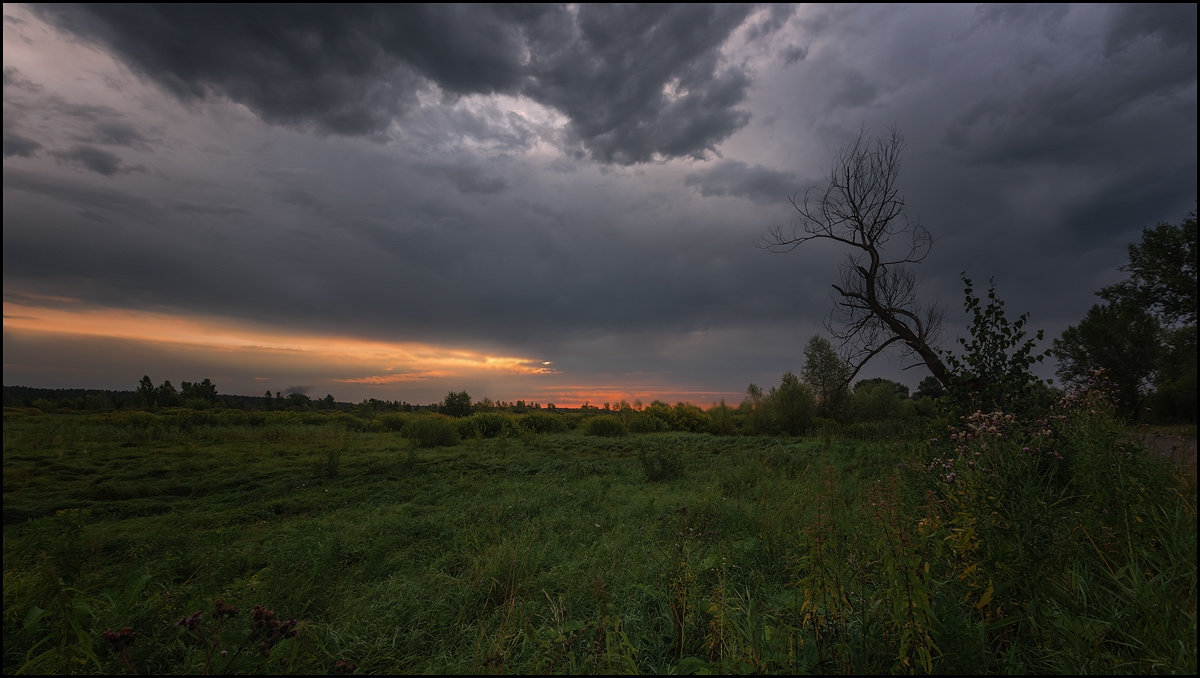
(1179, 449)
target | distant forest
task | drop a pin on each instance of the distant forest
(203, 395)
(92, 399)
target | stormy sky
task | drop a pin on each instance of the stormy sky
(557, 204)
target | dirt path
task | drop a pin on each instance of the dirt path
(1179, 449)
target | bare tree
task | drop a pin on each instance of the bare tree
(876, 305)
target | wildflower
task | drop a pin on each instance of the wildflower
(190, 623)
(119, 641)
(224, 610)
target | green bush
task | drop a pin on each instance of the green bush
(605, 425)
(364, 425)
(487, 425)
(1034, 511)
(648, 422)
(394, 421)
(432, 430)
(542, 422)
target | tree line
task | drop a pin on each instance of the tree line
(1142, 339)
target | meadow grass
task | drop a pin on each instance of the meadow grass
(572, 553)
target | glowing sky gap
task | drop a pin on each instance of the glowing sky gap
(409, 360)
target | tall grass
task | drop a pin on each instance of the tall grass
(518, 551)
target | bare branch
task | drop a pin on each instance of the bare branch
(876, 303)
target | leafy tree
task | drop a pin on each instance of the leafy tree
(1150, 315)
(147, 394)
(930, 387)
(205, 390)
(1162, 273)
(994, 370)
(298, 401)
(791, 405)
(754, 409)
(877, 399)
(828, 375)
(1174, 396)
(876, 303)
(456, 404)
(900, 390)
(1122, 339)
(167, 396)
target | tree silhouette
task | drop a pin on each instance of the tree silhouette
(876, 304)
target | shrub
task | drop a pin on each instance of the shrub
(648, 422)
(691, 418)
(1032, 508)
(487, 425)
(432, 430)
(542, 422)
(605, 425)
(393, 421)
(364, 425)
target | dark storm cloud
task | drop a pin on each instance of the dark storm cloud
(854, 91)
(730, 177)
(1071, 113)
(94, 159)
(776, 16)
(471, 178)
(17, 145)
(794, 54)
(1174, 25)
(1041, 140)
(85, 198)
(641, 80)
(118, 133)
(636, 81)
(208, 210)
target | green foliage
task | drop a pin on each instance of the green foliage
(792, 406)
(1162, 273)
(654, 419)
(542, 422)
(930, 387)
(456, 404)
(147, 394)
(1044, 519)
(877, 400)
(995, 367)
(1174, 397)
(689, 418)
(1147, 327)
(827, 375)
(432, 430)
(488, 425)
(1122, 339)
(605, 425)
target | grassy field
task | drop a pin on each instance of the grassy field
(572, 553)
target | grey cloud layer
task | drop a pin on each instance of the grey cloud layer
(615, 219)
(357, 69)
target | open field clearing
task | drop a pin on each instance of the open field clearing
(565, 552)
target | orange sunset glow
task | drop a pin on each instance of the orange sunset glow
(387, 370)
(411, 360)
